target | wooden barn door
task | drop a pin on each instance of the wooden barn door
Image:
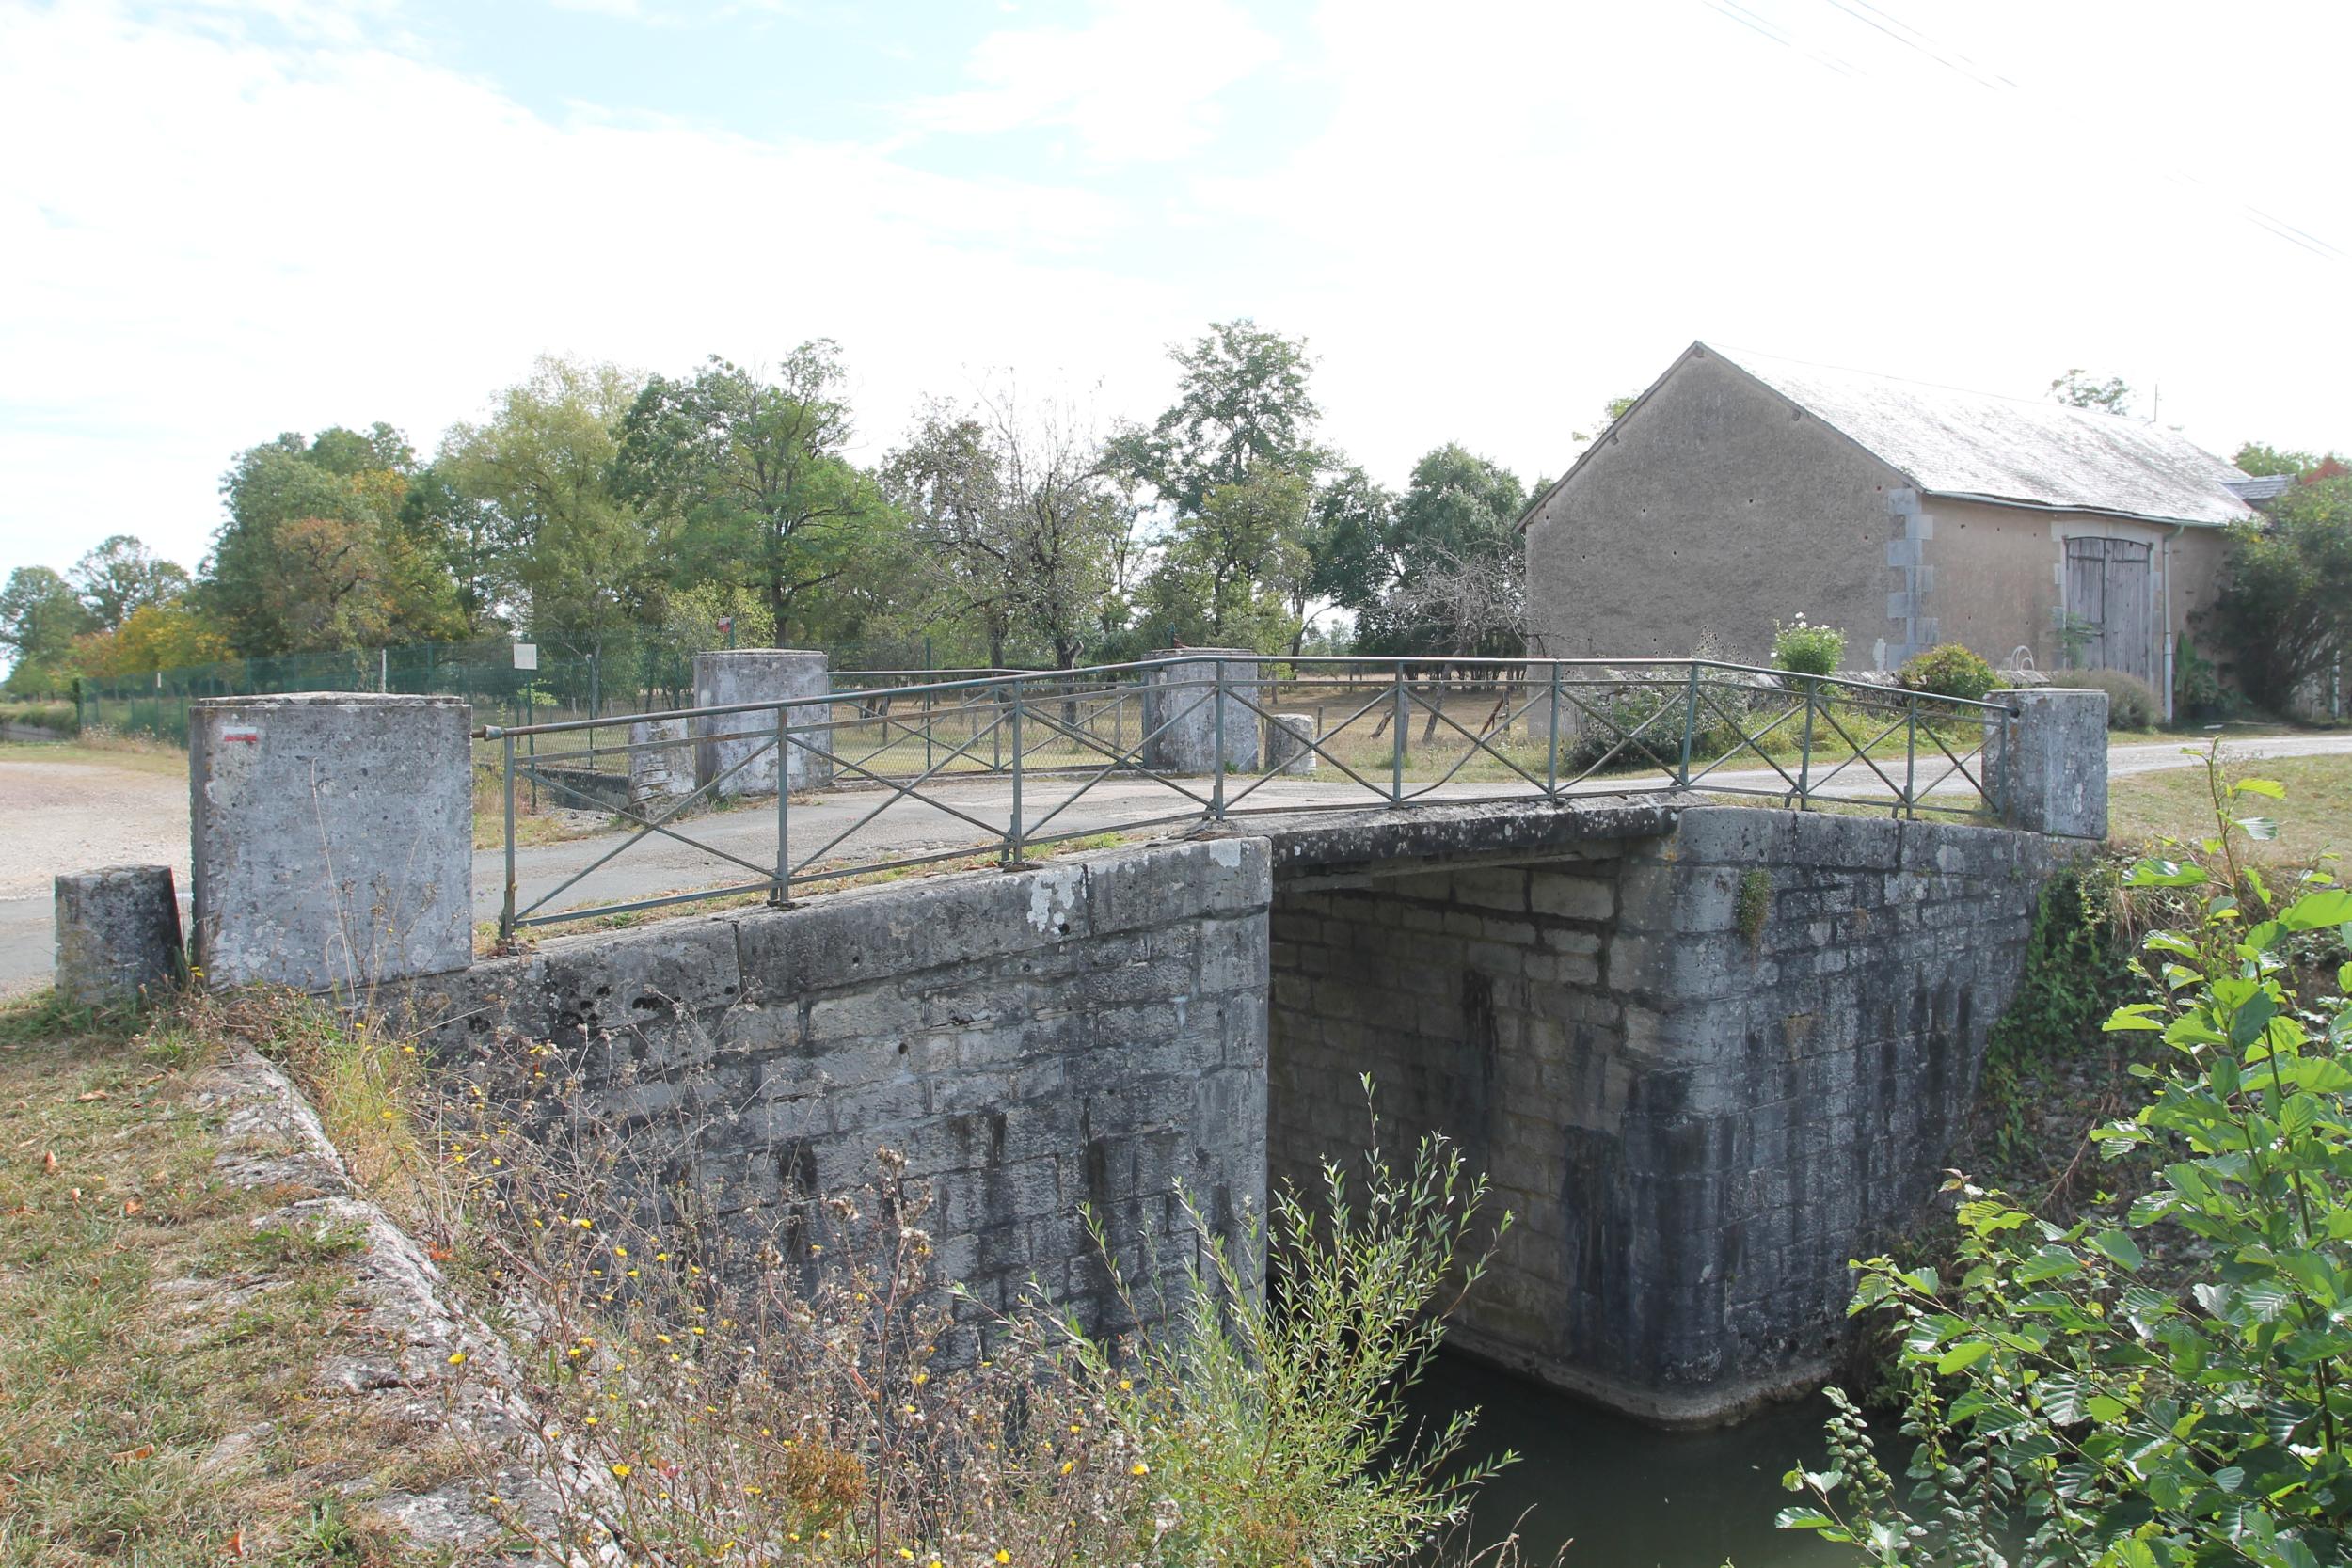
(2111, 588)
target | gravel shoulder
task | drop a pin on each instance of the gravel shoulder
(76, 815)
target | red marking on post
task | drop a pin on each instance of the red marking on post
(247, 738)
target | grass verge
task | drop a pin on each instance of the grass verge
(159, 1347)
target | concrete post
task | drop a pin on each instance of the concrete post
(662, 773)
(2047, 768)
(118, 935)
(332, 838)
(1181, 719)
(762, 676)
(1286, 744)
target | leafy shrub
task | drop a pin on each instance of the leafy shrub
(2284, 615)
(2065, 1396)
(1950, 671)
(1804, 649)
(2131, 702)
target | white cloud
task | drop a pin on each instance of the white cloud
(1503, 215)
(204, 241)
(1137, 83)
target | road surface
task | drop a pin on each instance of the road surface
(64, 816)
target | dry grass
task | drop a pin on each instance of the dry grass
(133, 753)
(145, 1318)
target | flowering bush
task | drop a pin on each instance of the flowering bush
(1803, 648)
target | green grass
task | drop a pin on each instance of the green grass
(136, 757)
(144, 1317)
(2316, 815)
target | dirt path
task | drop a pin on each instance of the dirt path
(74, 817)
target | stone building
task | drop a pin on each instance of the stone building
(1737, 493)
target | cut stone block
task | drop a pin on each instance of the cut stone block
(118, 935)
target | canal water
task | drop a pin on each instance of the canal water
(1620, 1494)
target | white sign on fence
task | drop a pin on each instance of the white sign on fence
(526, 656)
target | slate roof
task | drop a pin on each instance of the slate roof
(2014, 450)
(1974, 446)
(2260, 487)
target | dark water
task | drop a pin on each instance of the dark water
(1620, 1494)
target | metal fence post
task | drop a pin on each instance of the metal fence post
(1551, 741)
(1804, 766)
(1014, 848)
(506, 911)
(782, 893)
(1690, 725)
(1911, 755)
(1217, 734)
(1404, 722)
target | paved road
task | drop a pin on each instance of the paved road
(868, 824)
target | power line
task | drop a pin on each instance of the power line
(1919, 43)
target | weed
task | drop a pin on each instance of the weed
(1752, 906)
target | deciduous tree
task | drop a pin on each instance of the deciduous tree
(577, 558)
(1011, 501)
(746, 474)
(121, 574)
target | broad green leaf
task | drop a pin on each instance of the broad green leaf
(2270, 788)
(2114, 1245)
(1961, 1357)
(2328, 907)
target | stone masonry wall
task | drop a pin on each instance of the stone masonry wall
(1697, 1125)
(1090, 1032)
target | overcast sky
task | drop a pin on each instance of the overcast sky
(224, 219)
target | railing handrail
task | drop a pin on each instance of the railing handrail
(1386, 667)
(1064, 710)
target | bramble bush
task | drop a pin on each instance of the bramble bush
(2068, 1408)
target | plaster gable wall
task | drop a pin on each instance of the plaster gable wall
(1710, 510)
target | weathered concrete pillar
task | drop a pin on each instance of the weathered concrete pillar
(660, 774)
(118, 935)
(332, 837)
(762, 676)
(1180, 710)
(2047, 766)
(1286, 744)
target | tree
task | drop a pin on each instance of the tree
(2284, 612)
(2076, 389)
(1014, 507)
(1610, 412)
(314, 554)
(1227, 574)
(121, 574)
(2256, 458)
(41, 615)
(1349, 534)
(747, 477)
(551, 531)
(1455, 561)
(1242, 407)
(153, 636)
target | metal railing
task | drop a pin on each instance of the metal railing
(885, 774)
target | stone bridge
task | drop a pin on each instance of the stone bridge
(1708, 1054)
